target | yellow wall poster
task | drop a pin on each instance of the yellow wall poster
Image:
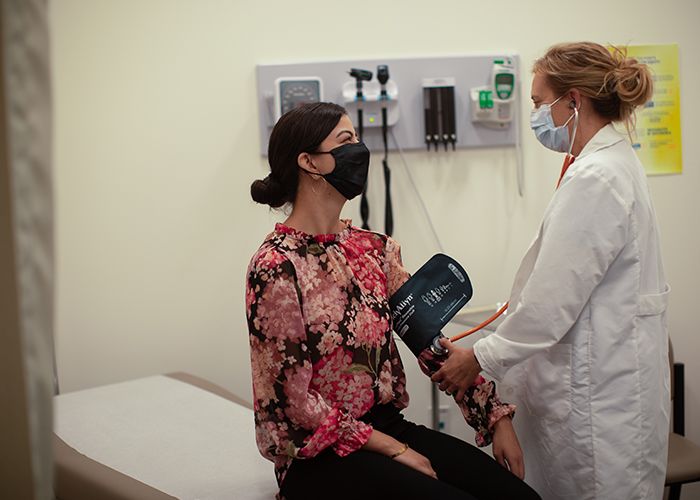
(657, 137)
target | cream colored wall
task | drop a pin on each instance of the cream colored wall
(156, 146)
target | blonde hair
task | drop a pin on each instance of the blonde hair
(615, 83)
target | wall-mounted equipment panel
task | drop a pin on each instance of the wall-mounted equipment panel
(282, 86)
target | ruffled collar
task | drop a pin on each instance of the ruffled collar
(281, 228)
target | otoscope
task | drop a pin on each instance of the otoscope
(361, 75)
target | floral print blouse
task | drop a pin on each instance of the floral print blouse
(321, 343)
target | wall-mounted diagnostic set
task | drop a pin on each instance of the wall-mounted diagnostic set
(439, 103)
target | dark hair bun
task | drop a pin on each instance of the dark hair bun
(269, 192)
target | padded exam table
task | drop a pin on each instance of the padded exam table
(157, 438)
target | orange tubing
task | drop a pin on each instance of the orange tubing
(482, 325)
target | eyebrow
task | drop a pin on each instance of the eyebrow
(345, 131)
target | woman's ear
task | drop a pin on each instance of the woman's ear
(304, 162)
(575, 98)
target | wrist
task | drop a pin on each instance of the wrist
(476, 359)
(382, 443)
(401, 451)
(505, 420)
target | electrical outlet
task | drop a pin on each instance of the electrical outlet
(443, 418)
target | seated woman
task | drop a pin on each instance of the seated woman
(328, 381)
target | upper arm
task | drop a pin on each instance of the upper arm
(276, 328)
(396, 274)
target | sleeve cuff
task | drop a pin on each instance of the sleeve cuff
(489, 364)
(353, 435)
(339, 431)
(500, 411)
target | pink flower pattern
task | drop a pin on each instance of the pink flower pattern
(321, 343)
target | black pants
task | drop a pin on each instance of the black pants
(464, 472)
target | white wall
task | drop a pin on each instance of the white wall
(156, 146)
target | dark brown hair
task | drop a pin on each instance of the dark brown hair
(615, 83)
(302, 129)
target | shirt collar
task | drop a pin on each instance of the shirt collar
(315, 238)
(604, 138)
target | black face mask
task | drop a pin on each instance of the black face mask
(351, 169)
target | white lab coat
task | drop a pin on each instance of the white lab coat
(585, 342)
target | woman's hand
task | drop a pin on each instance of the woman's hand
(506, 448)
(458, 371)
(417, 461)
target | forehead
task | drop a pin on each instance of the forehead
(540, 88)
(341, 130)
(344, 123)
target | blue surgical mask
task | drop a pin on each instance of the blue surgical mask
(551, 136)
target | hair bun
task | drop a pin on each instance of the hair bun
(630, 80)
(268, 192)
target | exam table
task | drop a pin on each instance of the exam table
(157, 438)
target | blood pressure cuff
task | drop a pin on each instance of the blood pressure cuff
(428, 300)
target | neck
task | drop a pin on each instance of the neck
(317, 210)
(589, 124)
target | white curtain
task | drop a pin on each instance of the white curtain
(28, 138)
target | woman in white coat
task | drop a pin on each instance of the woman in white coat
(585, 342)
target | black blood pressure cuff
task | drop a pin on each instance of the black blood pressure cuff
(428, 300)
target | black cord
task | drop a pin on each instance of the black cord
(388, 209)
(364, 204)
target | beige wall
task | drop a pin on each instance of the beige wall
(156, 146)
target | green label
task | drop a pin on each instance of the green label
(485, 99)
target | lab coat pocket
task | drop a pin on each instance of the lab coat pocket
(651, 330)
(548, 383)
(653, 304)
